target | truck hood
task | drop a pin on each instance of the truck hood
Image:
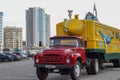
(59, 50)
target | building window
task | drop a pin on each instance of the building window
(117, 35)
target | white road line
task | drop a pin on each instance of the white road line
(20, 78)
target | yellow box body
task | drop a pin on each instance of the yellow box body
(96, 34)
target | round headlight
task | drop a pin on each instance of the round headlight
(37, 60)
(67, 60)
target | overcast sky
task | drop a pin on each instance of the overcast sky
(14, 11)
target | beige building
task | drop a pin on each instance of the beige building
(13, 37)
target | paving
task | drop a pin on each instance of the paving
(24, 70)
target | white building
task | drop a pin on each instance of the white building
(1, 31)
(37, 27)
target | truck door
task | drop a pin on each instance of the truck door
(82, 50)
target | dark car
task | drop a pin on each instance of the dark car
(22, 54)
(5, 58)
(31, 55)
(16, 57)
(10, 56)
(18, 54)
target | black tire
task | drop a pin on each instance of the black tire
(101, 61)
(116, 63)
(89, 70)
(42, 74)
(93, 68)
(76, 71)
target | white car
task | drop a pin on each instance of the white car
(24, 56)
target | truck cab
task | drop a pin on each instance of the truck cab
(66, 55)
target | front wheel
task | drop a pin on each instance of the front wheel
(76, 71)
(42, 74)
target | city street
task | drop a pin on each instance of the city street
(24, 70)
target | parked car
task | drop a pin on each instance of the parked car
(18, 53)
(11, 57)
(31, 55)
(24, 56)
(5, 58)
(16, 57)
(6, 50)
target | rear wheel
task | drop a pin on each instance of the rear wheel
(116, 63)
(76, 71)
(101, 61)
(93, 68)
(42, 73)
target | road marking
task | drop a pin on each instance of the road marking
(19, 78)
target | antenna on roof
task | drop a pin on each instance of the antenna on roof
(94, 10)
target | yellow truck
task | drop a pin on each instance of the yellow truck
(101, 41)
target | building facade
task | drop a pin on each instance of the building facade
(1, 31)
(47, 29)
(13, 37)
(37, 23)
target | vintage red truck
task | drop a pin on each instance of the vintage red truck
(66, 54)
(79, 44)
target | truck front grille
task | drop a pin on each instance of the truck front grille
(52, 58)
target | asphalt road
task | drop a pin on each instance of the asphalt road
(24, 70)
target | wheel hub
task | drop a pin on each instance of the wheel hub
(77, 70)
(97, 66)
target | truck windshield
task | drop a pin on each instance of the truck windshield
(63, 42)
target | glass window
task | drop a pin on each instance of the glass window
(81, 44)
(117, 35)
(64, 42)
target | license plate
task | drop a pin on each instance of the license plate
(50, 66)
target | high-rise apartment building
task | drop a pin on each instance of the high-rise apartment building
(13, 37)
(47, 29)
(37, 27)
(1, 31)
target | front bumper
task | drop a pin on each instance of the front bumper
(53, 66)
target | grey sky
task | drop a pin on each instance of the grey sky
(14, 11)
